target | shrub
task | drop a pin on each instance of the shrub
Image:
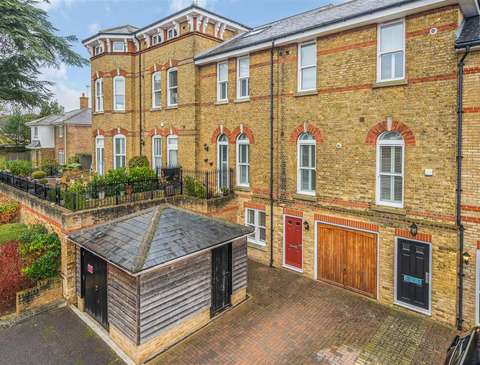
(11, 274)
(194, 188)
(138, 161)
(140, 174)
(43, 181)
(116, 176)
(50, 167)
(75, 159)
(11, 231)
(40, 251)
(8, 211)
(39, 174)
(19, 167)
(73, 166)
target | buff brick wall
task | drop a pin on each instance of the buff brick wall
(79, 140)
(60, 142)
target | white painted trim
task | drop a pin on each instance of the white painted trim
(98, 138)
(477, 288)
(219, 167)
(299, 65)
(115, 137)
(284, 243)
(257, 212)
(379, 39)
(169, 87)
(115, 93)
(219, 82)
(395, 279)
(237, 145)
(238, 79)
(308, 143)
(376, 233)
(154, 138)
(172, 136)
(155, 106)
(98, 96)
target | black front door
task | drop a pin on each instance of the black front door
(413, 273)
(94, 286)
(221, 278)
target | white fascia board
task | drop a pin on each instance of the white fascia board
(109, 36)
(378, 17)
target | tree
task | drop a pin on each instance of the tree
(50, 108)
(16, 129)
(28, 42)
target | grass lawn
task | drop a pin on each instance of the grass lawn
(9, 232)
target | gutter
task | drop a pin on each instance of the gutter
(271, 151)
(458, 207)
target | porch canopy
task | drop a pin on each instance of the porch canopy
(156, 236)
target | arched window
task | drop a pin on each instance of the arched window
(99, 154)
(119, 151)
(156, 153)
(172, 151)
(306, 174)
(99, 95)
(242, 160)
(156, 90)
(222, 162)
(390, 160)
(119, 93)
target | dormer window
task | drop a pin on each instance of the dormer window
(97, 50)
(172, 33)
(118, 47)
(156, 39)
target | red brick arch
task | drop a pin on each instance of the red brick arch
(217, 132)
(115, 131)
(237, 131)
(306, 127)
(98, 132)
(164, 132)
(399, 127)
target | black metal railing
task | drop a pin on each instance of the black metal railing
(169, 182)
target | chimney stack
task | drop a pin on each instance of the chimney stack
(83, 101)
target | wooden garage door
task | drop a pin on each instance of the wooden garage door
(347, 258)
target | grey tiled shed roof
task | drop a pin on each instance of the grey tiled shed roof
(156, 236)
(316, 18)
(470, 34)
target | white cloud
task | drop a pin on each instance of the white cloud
(94, 28)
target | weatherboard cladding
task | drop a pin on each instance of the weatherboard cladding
(316, 18)
(470, 34)
(239, 265)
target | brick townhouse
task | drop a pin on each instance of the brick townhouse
(341, 125)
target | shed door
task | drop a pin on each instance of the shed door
(347, 258)
(94, 281)
(221, 278)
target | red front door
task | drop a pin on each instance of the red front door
(293, 242)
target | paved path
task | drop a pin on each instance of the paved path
(51, 338)
(294, 320)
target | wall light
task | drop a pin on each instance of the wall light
(413, 229)
(306, 225)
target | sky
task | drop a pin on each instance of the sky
(84, 18)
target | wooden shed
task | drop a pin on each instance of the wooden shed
(154, 277)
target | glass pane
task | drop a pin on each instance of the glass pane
(305, 180)
(391, 136)
(251, 216)
(119, 86)
(312, 180)
(173, 158)
(157, 149)
(391, 38)
(398, 186)
(173, 96)
(261, 219)
(156, 81)
(172, 77)
(261, 234)
(119, 101)
(244, 87)
(398, 160)
(385, 159)
(172, 141)
(243, 154)
(157, 98)
(307, 55)
(385, 187)
(243, 67)
(223, 90)
(386, 67)
(398, 64)
(222, 72)
(243, 174)
(304, 156)
(309, 78)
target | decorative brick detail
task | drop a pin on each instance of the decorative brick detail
(237, 131)
(164, 132)
(98, 132)
(294, 212)
(405, 233)
(254, 205)
(217, 132)
(399, 127)
(478, 245)
(306, 127)
(346, 222)
(116, 131)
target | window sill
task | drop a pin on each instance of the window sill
(256, 245)
(171, 107)
(388, 209)
(242, 100)
(380, 84)
(221, 102)
(242, 188)
(157, 109)
(118, 111)
(98, 113)
(306, 197)
(306, 93)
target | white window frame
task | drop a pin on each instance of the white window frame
(154, 156)
(61, 157)
(170, 88)
(115, 154)
(154, 105)
(220, 82)
(97, 50)
(240, 79)
(300, 143)
(477, 287)
(391, 143)
(118, 50)
(116, 93)
(256, 226)
(100, 162)
(99, 95)
(379, 53)
(219, 166)
(172, 33)
(35, 132)
(172, 147)
(157, 39)
(243, 142)
(60, 131)
(301, 68)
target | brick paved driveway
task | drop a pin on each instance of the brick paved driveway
(293, 320)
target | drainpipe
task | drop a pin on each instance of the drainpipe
(271, 153)
(458, 208)
(140, 106)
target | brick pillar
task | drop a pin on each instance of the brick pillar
(68, 270)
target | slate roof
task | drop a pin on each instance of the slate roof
(316, 18)
(155, 236)
(121, 29)
(76, 117)
(470, 34)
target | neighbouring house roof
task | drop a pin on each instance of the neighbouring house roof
(155, 236)
(318, 18)
(34, 144)
(470, 34)
(121, 29)
(73, 117)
